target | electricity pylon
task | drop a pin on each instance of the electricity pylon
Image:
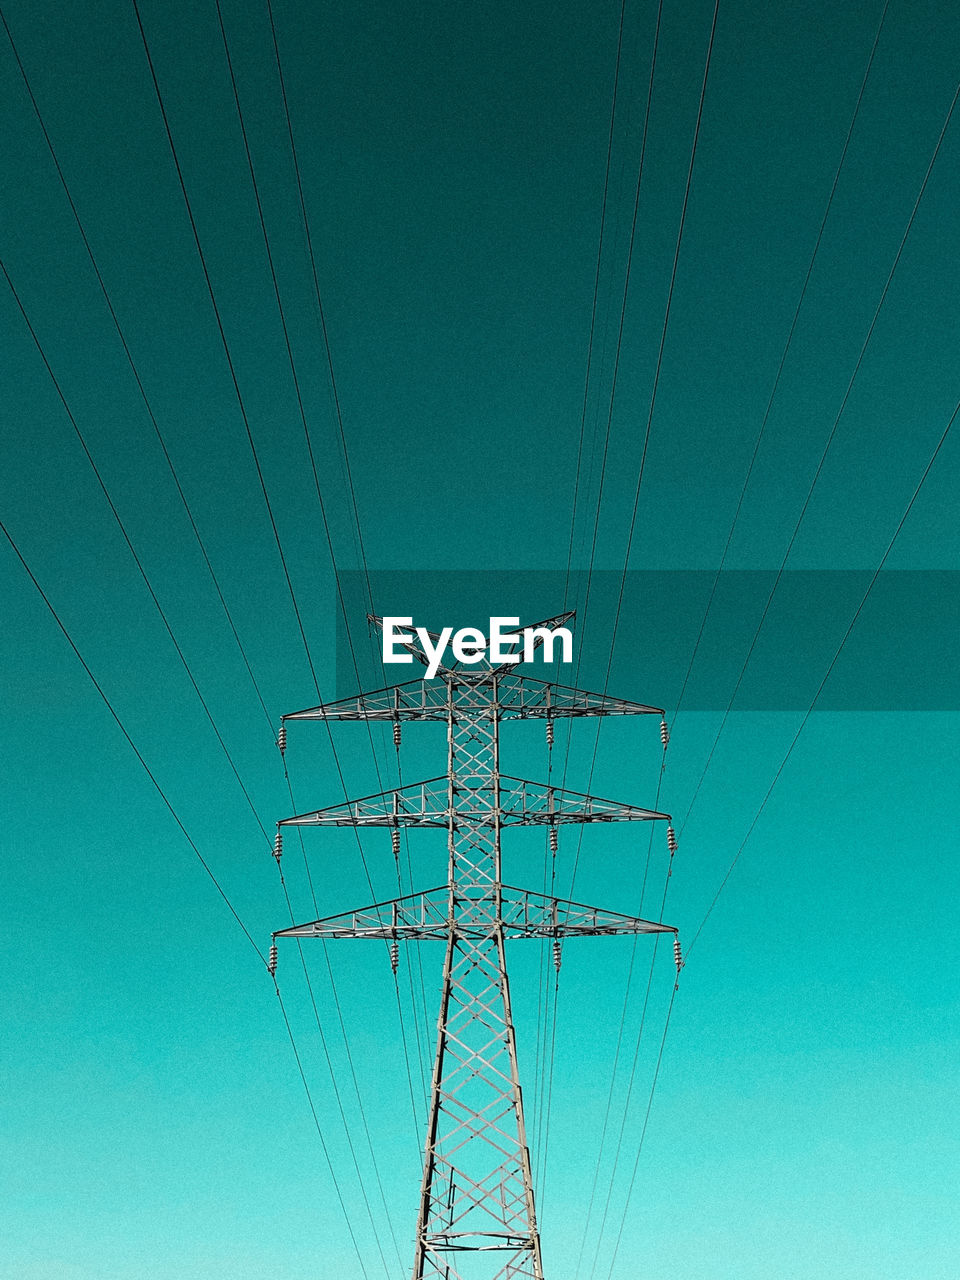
(477, 1219)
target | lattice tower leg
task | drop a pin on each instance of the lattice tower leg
(477, 1219)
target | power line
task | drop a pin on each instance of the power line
(316, 1121)
(130, 742)
(193, 524)
(663, 331)
(339, 1099)
(632, 1078)
(833, 661)
(193, 845)
(823, 455)
(643, 1131)
(596, 292)
(622, 1027)
(653, 393)
(620, 330)
(133, 366)
(293, 369)
(545, 1074)
(237, 391)
(283, 322)
(183, 661)
(666, 320)
(784, 353)
(346, 1044)
(226, 348)
(133, 551)
(739, 506)
(320, 308)
(338, 410)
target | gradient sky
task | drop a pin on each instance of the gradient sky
(805, 1119)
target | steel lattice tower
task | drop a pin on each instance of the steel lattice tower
(477, 1218)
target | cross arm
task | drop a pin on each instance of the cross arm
(522, 913)
(518, 698)
(512, 802)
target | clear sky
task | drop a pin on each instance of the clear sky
(804, 1122)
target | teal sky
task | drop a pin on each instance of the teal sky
(805, 1117)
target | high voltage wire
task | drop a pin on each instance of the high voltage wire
(236, 385)
(226, 349)
(632, 1078)
(193, 845)
(319, 299)
(825, 451)
(833, 661)
(424, 1049)
(142, 389)
(622, 1027)
(649, 423)
(301, 409)
(346, 1045)
(664, 328)
(653, 393)
(367, 579)
(130, 742)
(726, 548)
(132, 549)
(293, 369)
(170, 633)
(167, 456)
(319, 1129)
(544, 1095)
(328, 352)
(339, 1100)
(217, 884)
(876, 574)
(838, 651)
(643, 1131)
(596, 292)
(779, 373)
(134, 369)
(622, 321)
(786, 348)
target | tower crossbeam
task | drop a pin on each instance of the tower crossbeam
(518, 698)
(522, 913)
(473, 800)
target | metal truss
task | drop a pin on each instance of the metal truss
(477, 1217)
(511, 802)
(427, 916)
(518, 698)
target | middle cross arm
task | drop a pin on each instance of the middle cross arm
(523, 913)
(515, 802)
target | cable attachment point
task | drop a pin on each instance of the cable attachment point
(396, 733)
(664, 732)
(278, 846)
(272, 962)
(554, 840)
(671, 841)
(677, 955)
(550, 733)
(394, 955)
(282, 739)
(556, 954)
(395, 841)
